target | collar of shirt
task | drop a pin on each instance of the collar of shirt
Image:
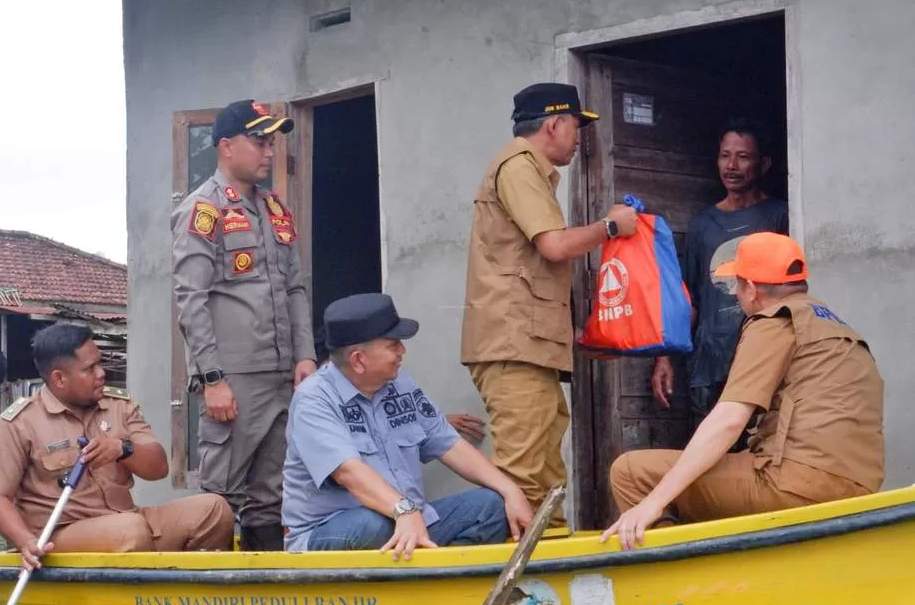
(53, 405)
(545, 167)
(222, 181)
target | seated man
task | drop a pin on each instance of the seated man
(819, 435)
(38, 446)
(359, 430)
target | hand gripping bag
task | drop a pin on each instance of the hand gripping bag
(641, 306)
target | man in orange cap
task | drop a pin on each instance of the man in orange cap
(815, 386)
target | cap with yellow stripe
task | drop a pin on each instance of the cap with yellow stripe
(248, 117)
(550, 98)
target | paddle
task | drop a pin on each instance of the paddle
(70, 482)
(512, 571)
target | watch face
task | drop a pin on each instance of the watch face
(612, 229)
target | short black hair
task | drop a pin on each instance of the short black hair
(60, 341)
(749, 126)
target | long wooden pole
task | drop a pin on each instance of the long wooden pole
(514, 569)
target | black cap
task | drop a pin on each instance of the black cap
(548, 99)
(247, 117)
(364, 317)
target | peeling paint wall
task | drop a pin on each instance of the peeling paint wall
(446, 72)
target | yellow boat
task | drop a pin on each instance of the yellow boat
(857, 551)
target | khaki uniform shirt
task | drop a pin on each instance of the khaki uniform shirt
(38, 447)
(517, 302)
(821, 433)
(239, 283)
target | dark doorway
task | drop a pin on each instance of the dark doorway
(346, 234)
(663, 101)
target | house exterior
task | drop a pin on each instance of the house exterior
(44, 282)
(441, 76)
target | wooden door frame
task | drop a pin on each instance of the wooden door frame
(570, 58)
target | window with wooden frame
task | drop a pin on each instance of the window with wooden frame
(193, 162)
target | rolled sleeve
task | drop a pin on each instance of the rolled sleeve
(528, 198)
(763, 354)
(321, 437)
(194, 269)
(138, 429)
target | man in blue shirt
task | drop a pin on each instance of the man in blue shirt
(359, 431)
(744, 158)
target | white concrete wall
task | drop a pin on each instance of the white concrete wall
(447, 72)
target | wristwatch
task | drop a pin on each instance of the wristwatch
(126, 449)
(404, 506)
(212, 377)
(612, 228)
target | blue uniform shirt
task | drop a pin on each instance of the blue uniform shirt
(331, 422)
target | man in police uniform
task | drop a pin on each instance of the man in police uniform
(360, 430)
(38, 446)
(517, 330)
(244, 312)
(819, 435)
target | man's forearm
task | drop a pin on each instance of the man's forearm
(715, 435)
(571, 242)
(367, 486)
(12, 526)
(148, 461)
(472, 465)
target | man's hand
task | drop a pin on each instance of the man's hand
(662, 381)
(631, 525)
(470, 427)
(409, 533)
(31, 554)
(518, 511)
(102, 450)
(625, 219)
(220, 402)
(303, 370)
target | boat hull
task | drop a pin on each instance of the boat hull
(849, 552)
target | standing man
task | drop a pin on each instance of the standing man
(744, 157)
(517, 331)
(244, 312)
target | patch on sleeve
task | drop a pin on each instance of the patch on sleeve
(116, 393)
(203, 219)
(824, 312)
(10, 413)
(425, 406)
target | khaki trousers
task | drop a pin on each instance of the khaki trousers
(201, 522)
(730, 488)
(527, 418)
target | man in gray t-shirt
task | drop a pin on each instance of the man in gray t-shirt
(360, 430)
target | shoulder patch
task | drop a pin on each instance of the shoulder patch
(204, 219)
(10, 413)
(116, 393)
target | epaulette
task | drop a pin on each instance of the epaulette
(116, 393)
(17, 406)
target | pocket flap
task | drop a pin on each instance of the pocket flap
(410, 438)
(239, 240)
(551, 323)
(60, 459)
(211, 431)
(366, 445)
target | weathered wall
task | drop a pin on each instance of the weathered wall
(447, 72)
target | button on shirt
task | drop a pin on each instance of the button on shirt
(330, 422)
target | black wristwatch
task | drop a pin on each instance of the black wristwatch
(612, 228)
(211, 377)
(126, 449)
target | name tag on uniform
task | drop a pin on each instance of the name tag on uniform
(58, 445)
(235, 219)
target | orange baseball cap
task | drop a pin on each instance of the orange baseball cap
(765, 258)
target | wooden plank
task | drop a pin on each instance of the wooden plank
(655, 160)
(502, 592)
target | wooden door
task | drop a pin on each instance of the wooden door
(656, 139)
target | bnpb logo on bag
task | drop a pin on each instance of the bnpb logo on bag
(614, 286)
(641, 306)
